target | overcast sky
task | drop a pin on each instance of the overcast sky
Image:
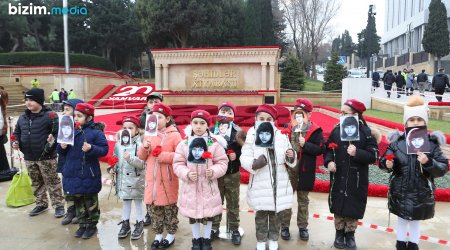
(352, 16)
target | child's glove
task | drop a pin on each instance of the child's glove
(260, 162)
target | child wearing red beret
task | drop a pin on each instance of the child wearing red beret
(348, 163)
(81, 171)
(129, 173)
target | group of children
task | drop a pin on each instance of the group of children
(149, 169)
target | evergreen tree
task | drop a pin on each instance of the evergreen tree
(436, 36)
(346, 44)
(261, 27)
(336, 45)
(292, 76)
(252, 25)
(334, 74)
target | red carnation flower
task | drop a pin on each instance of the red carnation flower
(77, 125)
(112, 161)
(51, 115)
(207, 155)
(12, 137)
(332, 145)
(230, 151)
(285, 131)
(156, 151)
(389, 157)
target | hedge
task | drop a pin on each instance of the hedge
(54, 59)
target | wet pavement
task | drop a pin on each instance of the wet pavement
(20, 231)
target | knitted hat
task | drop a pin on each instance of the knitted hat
(163, 109)
(304, 104)
(36, 95)
(201, 114)
(72, 102)
(132, 119)
(155, 95)
(85, 108)
(415, 106)
(269, 110)
(228, 104)
(356, 105)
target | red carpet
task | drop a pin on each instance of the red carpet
(245, 118)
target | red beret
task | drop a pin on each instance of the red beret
(162, 108)
(268, 109)
(304, 104)
(201, 114)
(228, 104)
(85, 108)
(132, 119)
(356, 105)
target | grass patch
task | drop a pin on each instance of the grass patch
(313, 85)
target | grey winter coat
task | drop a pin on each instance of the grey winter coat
(130, 174)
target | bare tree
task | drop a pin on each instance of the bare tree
(309, 21)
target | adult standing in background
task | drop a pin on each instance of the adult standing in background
(35, 83)
(388, 80)
(400, 81)
(440, 81)
(4, 164)
(72, 94)
(63, 95)
(422, 79)
(375, 79)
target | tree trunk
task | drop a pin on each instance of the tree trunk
(16, 44)
(108, 52)
(438, 62)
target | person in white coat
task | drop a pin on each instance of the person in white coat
(269, 189)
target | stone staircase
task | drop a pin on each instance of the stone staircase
(16, 100)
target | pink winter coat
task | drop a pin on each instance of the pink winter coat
(200, 199)
(161, 186)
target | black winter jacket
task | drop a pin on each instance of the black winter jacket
(313, 148)
(440, 81)
(349, 185)
(400, 80)
(32, 131)
(389, 78)
(422, 77)
(411, 187)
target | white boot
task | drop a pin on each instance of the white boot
(260, 245)
(273, 245)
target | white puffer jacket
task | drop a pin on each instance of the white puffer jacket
(260, 194)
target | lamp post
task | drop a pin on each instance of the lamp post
(66, 37)
(371, 14)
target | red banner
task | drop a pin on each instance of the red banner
(130, 96)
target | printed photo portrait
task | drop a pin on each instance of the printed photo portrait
(151, 126)
(264, 134)
(125, 138)
(197, 146)
(299, 121)
(223, 128)
(349, 128)
(66, 130)
(417, 140)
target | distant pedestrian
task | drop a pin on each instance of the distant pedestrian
(63, 95)
(401, 82)
(409, 83)
(440, 81)
(375, 80)
(72, 94)
(54, 98)
(422, 79)
(4, 164)
(35, 83)
(388, 80)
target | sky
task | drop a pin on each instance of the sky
(352, 16)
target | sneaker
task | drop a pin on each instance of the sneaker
(37, 210)
(91, 230)
(236, 237)
(125, 230)
(59, 212)
(303, 233)
(147, 220)
(155, 244)
(75, 220)
(69, 216)
(285, 235)
(79, 233)
(166, 244)
(138, 230)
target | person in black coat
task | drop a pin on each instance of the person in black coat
(401, 82)
(440, 81)
(349, 168)
(411, 187)
(388, 80)
(308, 145)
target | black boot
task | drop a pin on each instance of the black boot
(339, 239)
(147, 220)
(304, 235)
(206, 244)
(125, 229)
(138, 230)
(285, 235)
(91, 230)
(350, 240)
(412, 246)
(197, 244)
(401, 245)
(80, 231)
(69, 216)
(236, 237)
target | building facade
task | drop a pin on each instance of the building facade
(404, 26)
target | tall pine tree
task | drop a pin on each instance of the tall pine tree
(260, 26)
(334, 74)
(435, 37)
(293, 76)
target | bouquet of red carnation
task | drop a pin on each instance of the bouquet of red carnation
(156, 151)
(78, 125)
(207, 155)
(389, 157)
(332, 146)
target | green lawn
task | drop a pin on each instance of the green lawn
(313, 85)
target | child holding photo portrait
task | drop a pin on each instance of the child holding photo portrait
(129, 173)
(200, 197)
(349, 169)
(411, 187)
(161, 189)
(269, 191)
